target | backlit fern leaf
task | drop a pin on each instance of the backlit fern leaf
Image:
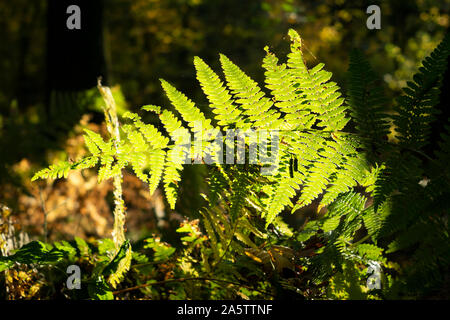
(151, 134)
(156, 162)
(351, 173)
(283, 191)
(90, 144)
(321, 96)
(366, 100)
(374, 220)
(351, 204)
(172, 175)
(58, 170)
(190, 113)
(219, 97)
(249, 96)
(174, 127)
(105, 172)
(279, 79)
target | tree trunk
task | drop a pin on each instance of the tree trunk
(75, 58)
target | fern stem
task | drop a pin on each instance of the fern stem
(112, 124)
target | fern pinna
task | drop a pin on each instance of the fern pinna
(312, 146)
(306, 109)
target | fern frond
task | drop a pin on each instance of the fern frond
(58, 170)
(148, 131)
(350, 174)
(172, 174)
(218, 95)
(190, 113)
(320, 95)
(416, 107)
(138, 164)
(327, 168)
(174, 127)
(156, 162)
(279, 79)
(85, 163)
(97, 140)
(281, 195)
(63, 168)
(90, 144)
(105, 172)
(374, 220)
(350, 204)
(152, 108)
(249, 96)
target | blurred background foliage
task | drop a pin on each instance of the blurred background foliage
(145, 40)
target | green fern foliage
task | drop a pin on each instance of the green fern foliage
(373, 196)
(115, 271)
(219, 97)
(305, 108)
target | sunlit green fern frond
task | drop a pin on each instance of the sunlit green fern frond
(249, 96)
(190, 113)
(321, 96)
(172, 174)
(219, 97)
(152, 136)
